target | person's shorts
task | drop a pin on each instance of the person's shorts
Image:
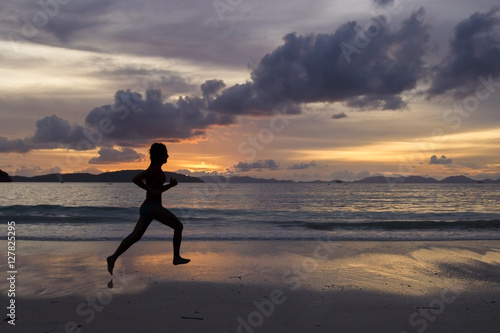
(146, 208)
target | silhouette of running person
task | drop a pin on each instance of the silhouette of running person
(152, 180)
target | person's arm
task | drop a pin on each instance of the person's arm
(139, 180)
(173, 182)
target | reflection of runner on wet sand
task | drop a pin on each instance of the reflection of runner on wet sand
(152, 181)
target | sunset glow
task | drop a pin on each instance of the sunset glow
(320, 91)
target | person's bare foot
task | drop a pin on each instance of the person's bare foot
(111, 264)
(180, 261)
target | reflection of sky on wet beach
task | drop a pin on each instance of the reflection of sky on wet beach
(388, 268)
(421, 270)
(56, 269)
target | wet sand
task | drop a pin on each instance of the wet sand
(257, 286)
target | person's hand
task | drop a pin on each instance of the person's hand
(173, 181)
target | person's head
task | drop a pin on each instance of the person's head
(158, 153)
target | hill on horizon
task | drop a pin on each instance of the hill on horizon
(4, 177)
(123, 176)
(127, 175)
(424, 180)
(367, 180)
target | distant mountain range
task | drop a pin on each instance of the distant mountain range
(107, 177)
(127, 175)
(241, 180)
(424, 180)
(367, 180)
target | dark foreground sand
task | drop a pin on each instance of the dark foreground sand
(257, 286)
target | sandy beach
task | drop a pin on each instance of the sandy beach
(256, 286)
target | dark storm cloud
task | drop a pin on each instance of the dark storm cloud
(381, 102)
(111, 155)
(383, 2)
(131, 120)
(339, 115)
(53, 132)
(441, 160)
(315, 68)
(302, 166)
(474, 51)
(212, 87)
(243, 99)
(137, 119)
(15, 145)
(257, 165)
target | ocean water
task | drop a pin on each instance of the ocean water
(101, 211)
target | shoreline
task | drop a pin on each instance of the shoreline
(259, 286)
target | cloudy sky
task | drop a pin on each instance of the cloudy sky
(297, 90)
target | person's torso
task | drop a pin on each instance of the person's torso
(155, 179)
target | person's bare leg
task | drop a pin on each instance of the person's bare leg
(136, 235)
(178, 260)
(167, 218)
(111, 264)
